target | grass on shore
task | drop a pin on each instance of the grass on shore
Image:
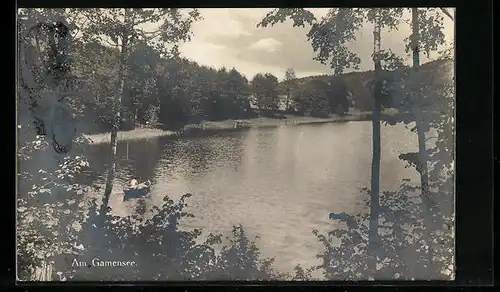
(138, 133)
(145, 133)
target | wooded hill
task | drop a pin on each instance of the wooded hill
(358, 82)
(176, 92)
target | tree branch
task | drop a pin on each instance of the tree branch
(447, 13)
(151, 18)
(111, 44)
(78, 27)
(152, 34)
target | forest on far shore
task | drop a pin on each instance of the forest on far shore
(172, 93)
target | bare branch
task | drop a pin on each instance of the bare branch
(447, 13)
(111, 44)
(153, 34)
(146, 20)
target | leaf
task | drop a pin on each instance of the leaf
(300, 16)
(44, 191)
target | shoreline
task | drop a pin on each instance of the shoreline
(226, 125)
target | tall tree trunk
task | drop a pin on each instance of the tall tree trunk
(288, 96)
(135, 115)
(116, 120)
(422, 152)
(374, 243)
(424, 179)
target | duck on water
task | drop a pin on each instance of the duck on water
(136, 190)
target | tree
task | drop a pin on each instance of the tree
(417, 112)
(374, 241)
(312, 98)
(331, 93)
(329, 37)
(95, 66)
(46, 94)
(442, 170)
(265, 91)
(426, 42)
(206, 92)
(338, 96)
(415, 84)
(238, 92)
(121, 28)
(189, 93)
(290, 84)
(45, 75)
(224, 101)
(417, 104)
(141, 91)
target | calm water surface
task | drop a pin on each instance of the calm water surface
(279, 183)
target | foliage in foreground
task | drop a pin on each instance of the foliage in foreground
(47, 220)
(163, 251)
(403, 250)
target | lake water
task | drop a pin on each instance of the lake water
(279, 183)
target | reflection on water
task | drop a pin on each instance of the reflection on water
(280, 183)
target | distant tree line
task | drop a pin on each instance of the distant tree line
(172, 93)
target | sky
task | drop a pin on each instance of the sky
(229, 37)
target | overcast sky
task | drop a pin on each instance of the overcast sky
(229, 37)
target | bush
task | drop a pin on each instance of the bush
(241, 260)
(403, 253)
(164, 252)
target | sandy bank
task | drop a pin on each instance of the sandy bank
(145, 133)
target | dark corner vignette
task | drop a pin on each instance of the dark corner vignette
(474, 147)
(473, 199)
(9, 145)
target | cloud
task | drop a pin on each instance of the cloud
(268, 44)
(204, 53)
(229, 37)
(219, 22)
(256, 50)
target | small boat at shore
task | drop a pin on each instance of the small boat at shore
(136, 190)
